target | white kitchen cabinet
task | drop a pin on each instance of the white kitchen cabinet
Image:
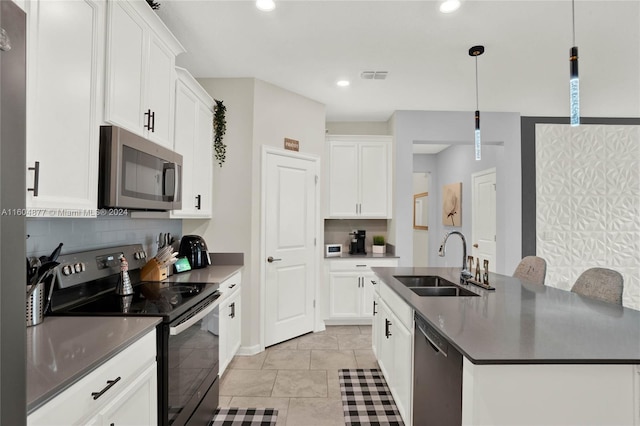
(359, 177)
(65, 53)
(123, 390)
(136, 405)
(194, 141)
(350, 298)
(230, 320)
(394, 348)
(140, 76)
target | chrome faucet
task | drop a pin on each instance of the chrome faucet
(465, 272)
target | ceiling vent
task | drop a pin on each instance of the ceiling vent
(374, 75)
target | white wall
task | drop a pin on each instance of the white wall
(456, 128)
(358, 128)
(258, 114)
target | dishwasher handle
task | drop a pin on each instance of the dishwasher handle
(432, 338)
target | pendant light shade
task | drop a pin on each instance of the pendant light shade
(476, 51)
(574, 81)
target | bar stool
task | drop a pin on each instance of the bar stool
(600, 283)
(532, 269)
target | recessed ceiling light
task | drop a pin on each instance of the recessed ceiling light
(449, 6)
(265, 5)
(343, 83)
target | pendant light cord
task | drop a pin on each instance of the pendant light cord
(573, 21)
(477, 103)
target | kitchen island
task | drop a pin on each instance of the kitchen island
(534, 354)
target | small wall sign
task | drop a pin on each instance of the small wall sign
(291, 144)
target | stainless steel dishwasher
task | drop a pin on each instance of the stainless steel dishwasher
(437, 380)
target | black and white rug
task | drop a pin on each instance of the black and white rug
(244, 417)
(366, 399)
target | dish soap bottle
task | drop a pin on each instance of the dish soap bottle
(124, 287)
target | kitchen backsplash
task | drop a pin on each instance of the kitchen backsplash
(87, 234)
(336, 231)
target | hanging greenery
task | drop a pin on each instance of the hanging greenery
(219, 129)
(153, 4)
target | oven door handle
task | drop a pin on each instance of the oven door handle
(180, 327)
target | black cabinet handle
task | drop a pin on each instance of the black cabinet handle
(374, 282)
(233, 310)
(153, 122)
(148, 117)
(110, 383)
(36, 178)
(387, 331)
(374, 308)
(198, 201)
(231, 286)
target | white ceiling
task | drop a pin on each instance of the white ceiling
(306, 46)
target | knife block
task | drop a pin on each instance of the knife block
(152, 271)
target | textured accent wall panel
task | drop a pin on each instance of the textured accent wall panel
(588, 202)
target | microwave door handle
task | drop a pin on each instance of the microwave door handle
(176, 183)
(174, 193)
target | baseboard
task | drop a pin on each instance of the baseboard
(348, 321)
(249, 350)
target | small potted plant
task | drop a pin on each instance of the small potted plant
(379, 246)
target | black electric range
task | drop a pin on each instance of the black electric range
(187, 338)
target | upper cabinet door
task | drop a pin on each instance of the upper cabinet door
(374, 179)
(203, 161)
(185, 128)
(160, 88)
(343, 179)
(193, 130)
(125, 68)
(140, 77)
(65, 56)
(359, 177)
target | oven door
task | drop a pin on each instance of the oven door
(193, 366)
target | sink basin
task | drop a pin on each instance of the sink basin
(423, 281)
(442, 291)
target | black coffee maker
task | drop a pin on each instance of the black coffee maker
(357, 242)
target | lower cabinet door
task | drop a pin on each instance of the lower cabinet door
(136, 405)
(385, 345)
(345, 294)
(235, 336)
(403, 376)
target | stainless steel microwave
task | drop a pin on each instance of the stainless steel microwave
(136, 173)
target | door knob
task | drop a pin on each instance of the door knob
(475, 245)
(270, 259)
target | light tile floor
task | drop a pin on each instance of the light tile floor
(299, 377)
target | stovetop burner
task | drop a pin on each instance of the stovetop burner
(151, 298)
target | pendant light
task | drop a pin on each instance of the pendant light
(476, 51)
(574, 82)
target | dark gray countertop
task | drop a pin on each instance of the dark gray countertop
(521, 322)
(210, 274)
(62, 350)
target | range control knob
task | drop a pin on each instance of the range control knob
(78, 267)
(67, 270)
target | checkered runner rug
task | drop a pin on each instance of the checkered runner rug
(244, 417)
(366, 399)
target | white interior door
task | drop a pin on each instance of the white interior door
(484, 216)
(290, 205)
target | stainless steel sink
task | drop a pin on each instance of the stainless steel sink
(442, 291)
(424, 281)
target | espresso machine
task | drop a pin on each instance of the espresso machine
(357, 242)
